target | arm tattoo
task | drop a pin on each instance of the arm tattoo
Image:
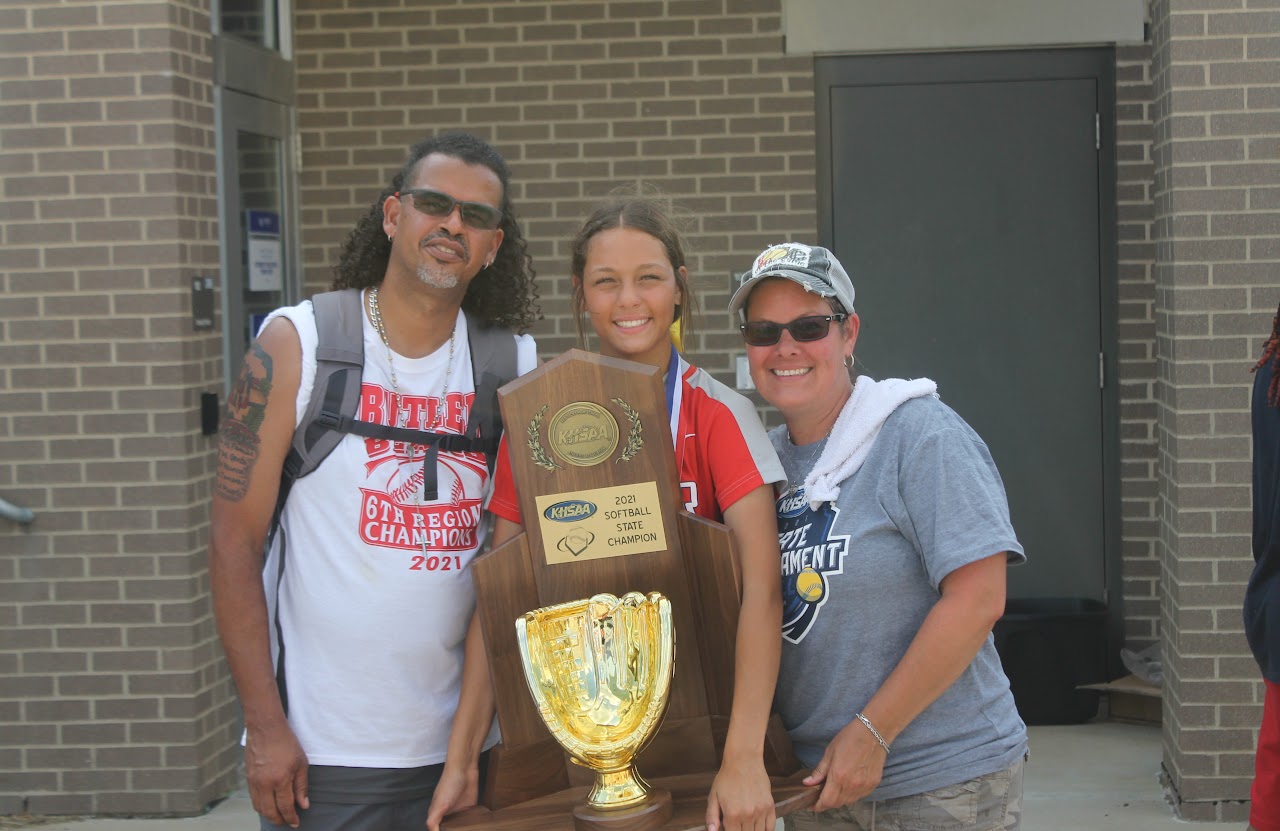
(238, 440)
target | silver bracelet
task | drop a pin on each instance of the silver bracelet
(866, 722)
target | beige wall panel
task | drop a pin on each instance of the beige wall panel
(851, 26)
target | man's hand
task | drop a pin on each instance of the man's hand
(276, 768)
(851, 768)
(741, 798)
(455, 791)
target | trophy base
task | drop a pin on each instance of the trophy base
(555, 812)
(652, 813)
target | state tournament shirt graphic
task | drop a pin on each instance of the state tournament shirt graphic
(393, 513)
(811, 554)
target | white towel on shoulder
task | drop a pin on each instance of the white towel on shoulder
(855, 431)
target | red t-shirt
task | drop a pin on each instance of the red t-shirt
(722, 451)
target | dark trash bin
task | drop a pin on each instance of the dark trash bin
(1049, 646)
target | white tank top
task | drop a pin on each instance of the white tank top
(371, 624)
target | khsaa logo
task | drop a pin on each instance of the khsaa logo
(570, 510)
(793, 505)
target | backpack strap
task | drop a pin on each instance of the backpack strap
(339, 366)
(493, 364)
(331, 412)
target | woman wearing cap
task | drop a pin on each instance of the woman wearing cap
(629, 278)
(895, 536)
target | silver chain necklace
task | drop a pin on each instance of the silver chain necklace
(807, 455)
(375, 315)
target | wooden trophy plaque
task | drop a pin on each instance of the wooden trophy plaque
(591, 452)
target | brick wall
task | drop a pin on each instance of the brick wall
(1217, 232)
(112, 695)
(1140, 530)
(694, 97)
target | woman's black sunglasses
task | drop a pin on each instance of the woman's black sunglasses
(434, 203)
(809, 328)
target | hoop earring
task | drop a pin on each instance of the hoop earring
(848, 361)
(390, 237)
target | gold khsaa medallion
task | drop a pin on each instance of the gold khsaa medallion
(583, 434)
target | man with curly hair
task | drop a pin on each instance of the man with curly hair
(347, 647)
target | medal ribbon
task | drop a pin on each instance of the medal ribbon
(676, 368)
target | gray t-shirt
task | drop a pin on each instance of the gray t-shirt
(859, 577)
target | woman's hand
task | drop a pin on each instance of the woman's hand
(742, 796)
(459, 785)
(851, 768)
(456, 790)
(946, 643)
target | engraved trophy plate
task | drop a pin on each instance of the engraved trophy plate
(603, 522)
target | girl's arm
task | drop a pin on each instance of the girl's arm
(741, 793)
(459, 785)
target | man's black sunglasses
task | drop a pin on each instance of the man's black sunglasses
(434, 203)
(809, 328)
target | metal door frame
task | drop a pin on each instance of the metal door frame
(1097, 64)
(254, 92)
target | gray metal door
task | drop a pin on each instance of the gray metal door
(965, 195)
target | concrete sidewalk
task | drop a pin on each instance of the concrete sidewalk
(1088, 777)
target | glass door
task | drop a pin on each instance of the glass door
(257, 166)
(258, 236)
(252, 21)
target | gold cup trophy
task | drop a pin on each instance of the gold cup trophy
(600, 673)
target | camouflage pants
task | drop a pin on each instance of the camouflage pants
(988, 803)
